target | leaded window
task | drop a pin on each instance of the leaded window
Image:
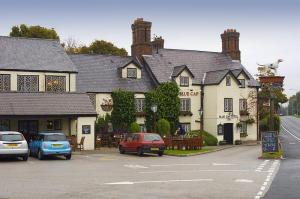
(228, 105)
(185, 104)
(228, 80)
(243, 104)
(186, 127)
(28, 83)
(243, 83)
(243, 127)
(139, 105)
(132, 73)
(55, 83)
(4, 83)
(184, 81)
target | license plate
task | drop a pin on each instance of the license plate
(154, 149)
(56, 145)
(13, 145)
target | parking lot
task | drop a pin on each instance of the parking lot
(231, 173)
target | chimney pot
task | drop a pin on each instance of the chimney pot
(230, 43)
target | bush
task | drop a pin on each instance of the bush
(163, 127)
(222, 142)
(264, 123)
(209, 139)
(238, 142)
(135, 127)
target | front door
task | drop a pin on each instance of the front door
(228, 133)
(28, 127)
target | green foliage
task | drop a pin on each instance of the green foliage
(168, 102)
(209, 139)
(123, 113)
(33, 32)
(264, 123)
(163, 127)
(294, 104)
(97, 47)
(102, 123)
(135, 127)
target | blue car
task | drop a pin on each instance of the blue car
(50, 143)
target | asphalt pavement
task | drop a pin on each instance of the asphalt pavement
(286, 184)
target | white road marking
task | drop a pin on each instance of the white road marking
(157, 181)
(171, 165)
(244, 180)
(191, 171)
(292, 143)
(135, 166)
(222, 164)
(290, 133)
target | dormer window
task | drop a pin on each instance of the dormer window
(228, 80)
(184, 81)
(243, 83)
(132, 73)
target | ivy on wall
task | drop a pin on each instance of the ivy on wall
(168, 105)
(123, 113)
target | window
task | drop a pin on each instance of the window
(28, 83)
(4, 83)
(185, 104)
(131, 73)
(184, 81)
(228, 103)
(243, 104)
(243, 127)
(186, 127)
(139, 105)
(228, 80)
(55, 83)
(57, 125)
(11, 137)
(4, 125)
(50, 125)
(149, 137)
(55, 137)
(243, 83)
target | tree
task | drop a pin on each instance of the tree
(123, 113)
(163, 127)
(135, 127)
(33, 32)
(294, 104)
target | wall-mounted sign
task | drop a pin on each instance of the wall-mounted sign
(188, 93)
(229, 116)
(269, 141)
(86, 129)
(220, 129)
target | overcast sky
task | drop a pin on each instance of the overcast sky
(269, 29)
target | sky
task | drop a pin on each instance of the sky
(269, 29)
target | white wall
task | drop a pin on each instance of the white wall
(89, 142)
(124, 71)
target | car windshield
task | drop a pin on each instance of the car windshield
(55, 137)
(11, 137)
(151, 137)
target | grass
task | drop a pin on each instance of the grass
(185, 152)
(273, 155)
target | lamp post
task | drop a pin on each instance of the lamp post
(201, 125)
(154, 110)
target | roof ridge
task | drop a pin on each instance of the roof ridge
(29, 38)
(192, 50)
(95, 54)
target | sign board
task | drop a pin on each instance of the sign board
(86, 129)
(269, 141)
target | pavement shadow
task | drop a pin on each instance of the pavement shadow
(10, 159)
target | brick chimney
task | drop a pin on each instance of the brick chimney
(230, 44)
(157, 43)
(141, 38)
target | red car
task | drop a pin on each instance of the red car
(141, 143)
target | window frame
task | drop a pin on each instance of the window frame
(182, 81)
(228, 80)
(186, 124)
(244, 84)
(244, 127)
(132, 77)
(143, 105)
(230, 99)
(38, 83)
(241, 104)
(185, 99)
(9, 82)
(59, 76)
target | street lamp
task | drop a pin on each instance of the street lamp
(201, 125)
(154, 110)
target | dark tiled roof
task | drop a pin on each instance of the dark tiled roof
(33, 55)
(215, 77)
(99, 73)
(199, 62)
(14, 104)
(178, 69)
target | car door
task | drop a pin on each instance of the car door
(135, 142)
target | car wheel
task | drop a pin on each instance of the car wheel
(68, 157)
(40, 155)
(121, 150)
(25, 157)
(160, 153)
(140, 152)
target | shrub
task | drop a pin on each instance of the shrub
(238, 142)
(264, 123)
(163, 127)
(209, 139)
(222, 142)
(135, 127)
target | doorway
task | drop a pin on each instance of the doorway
(28, 127)
(228, 133)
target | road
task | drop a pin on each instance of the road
(234, 173)
(287, 181)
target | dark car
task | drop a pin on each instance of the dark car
(141, 143)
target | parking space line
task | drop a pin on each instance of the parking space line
(157, 181)
(191, 171)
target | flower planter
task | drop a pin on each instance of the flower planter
(243, 135)
(106, 108)
(186, 113)
(140, 114)
(244, 113)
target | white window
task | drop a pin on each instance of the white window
(132, 73)
(186, 127)
(243, 127)
(139, 105)
(243, 104)
(228, 80)
(243, 83)
(228, 103)
(185, 104)
(184, 81)
(28, 83)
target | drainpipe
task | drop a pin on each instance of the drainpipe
(202, 102)
(257, 115)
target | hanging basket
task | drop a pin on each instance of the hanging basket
(106, 108)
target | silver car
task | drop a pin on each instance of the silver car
(13, 144)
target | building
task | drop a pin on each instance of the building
(215, 84)
(38, 90)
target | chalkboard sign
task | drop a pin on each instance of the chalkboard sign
(86, 129)
(269, 141)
